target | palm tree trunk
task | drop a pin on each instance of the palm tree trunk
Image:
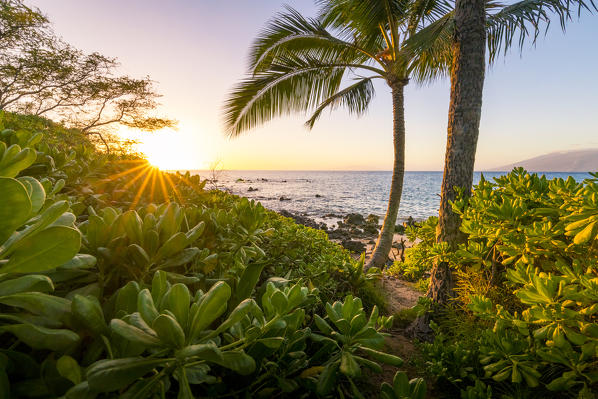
(465, 111)
(384, 243)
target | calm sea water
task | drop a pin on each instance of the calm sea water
(319, 193)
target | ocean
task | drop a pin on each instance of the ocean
(327, 195)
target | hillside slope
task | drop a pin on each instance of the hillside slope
(561, 161)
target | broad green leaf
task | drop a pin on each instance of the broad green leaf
(146, 307)
(169, 331)
(212, 305)
(172, 246)
(36, 192)
(133, 334)
(133, 226)
(383, 357)
(111, 375)
(209, 352)
(238, 361)
(587, 234)
(44, 338)
(177, 300)
(11, 165)
(50, 306)
(69, 369)
(349, 365)
(43, 251)
(327, 379)
(15, 207)
(237, 315)
(248, 280)
(30, 283)
(87, 310)
(126, 299)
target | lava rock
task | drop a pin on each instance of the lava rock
(283, 198)
(370, 229)
(251, 189)
(355, 219)
(304, 220)
(354, 246)
(372, 219)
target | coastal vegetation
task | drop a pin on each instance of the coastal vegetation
(300, 64)
(119, 280)
(524, 320)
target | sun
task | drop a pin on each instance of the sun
(171, 150)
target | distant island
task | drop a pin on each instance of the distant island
(560, 161)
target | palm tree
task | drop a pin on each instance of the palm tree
(472, 26)
(301, 64)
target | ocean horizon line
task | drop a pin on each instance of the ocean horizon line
(358, 170)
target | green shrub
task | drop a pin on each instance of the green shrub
(177, 291)
(529, 269)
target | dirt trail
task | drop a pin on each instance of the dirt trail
(399, 294)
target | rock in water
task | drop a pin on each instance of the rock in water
(304, 220)
(355, 219)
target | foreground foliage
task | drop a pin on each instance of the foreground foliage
(117, 280)
(525, 317)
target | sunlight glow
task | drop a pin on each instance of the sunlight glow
(169, 149)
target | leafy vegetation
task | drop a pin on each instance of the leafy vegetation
(525, 312)
(118, 280)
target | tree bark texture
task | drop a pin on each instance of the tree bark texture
(465, 110)
(384, 243)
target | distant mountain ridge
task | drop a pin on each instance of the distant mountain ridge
(560, 161)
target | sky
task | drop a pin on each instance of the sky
(542, 100)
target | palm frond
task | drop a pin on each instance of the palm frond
(424, 12)
(356, 98)
(361, 16)
(525, 20)
(291, 84)
(291, 34)
(428, 52)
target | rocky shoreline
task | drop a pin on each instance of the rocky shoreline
(356, 232)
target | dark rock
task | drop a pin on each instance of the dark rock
(251, 189)
(370, 229)
(283, 198)
(304, 220)
(356, 232)
(372, 219)
(332, 215)
(339, 234)
(354, 246)
(355, 219)
(318, 196)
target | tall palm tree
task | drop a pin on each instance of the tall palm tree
(302, 64)
(472, 26)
